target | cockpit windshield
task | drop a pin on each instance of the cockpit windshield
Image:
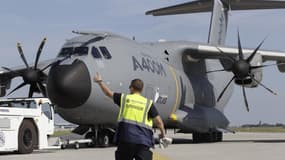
(66, 51)
(79, 51)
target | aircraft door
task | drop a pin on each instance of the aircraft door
(149, 92)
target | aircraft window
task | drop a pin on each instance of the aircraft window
(105, 52)
(95, 52)
(19, 104)
(73, 51)
(66, 51)
(47, 110)
(81, 51)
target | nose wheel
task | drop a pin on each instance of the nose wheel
(105, 138)
(102, 137)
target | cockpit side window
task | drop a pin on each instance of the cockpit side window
(95, 52)
(66, 51)
(80, 51)
(105, 52)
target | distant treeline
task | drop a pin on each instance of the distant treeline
(263, 125)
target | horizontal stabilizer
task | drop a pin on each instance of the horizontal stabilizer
(207, 6)
(190, 7)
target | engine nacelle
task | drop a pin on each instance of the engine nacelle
(249, 83)
(281, 68)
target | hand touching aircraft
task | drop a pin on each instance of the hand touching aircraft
(189, 82)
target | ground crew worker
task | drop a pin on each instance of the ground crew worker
(134, 134)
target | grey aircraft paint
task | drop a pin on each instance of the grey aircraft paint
(160, 77)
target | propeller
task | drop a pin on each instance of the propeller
(32, 75)
(241, 68)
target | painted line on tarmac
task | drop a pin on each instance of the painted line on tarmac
(158, 156)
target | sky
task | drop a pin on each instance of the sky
(30, 21)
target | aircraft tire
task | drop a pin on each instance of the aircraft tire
(207, 137)
(27, 137)
(219, 136)
(197, 138)
(105, 138)
(63, 146)
(214, 137)
(76, 145)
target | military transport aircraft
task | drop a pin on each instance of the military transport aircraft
(189, 82)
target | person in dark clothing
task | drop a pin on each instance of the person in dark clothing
(137, 114)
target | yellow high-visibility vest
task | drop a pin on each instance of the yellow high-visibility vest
(134, 109)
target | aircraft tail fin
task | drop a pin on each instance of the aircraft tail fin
(199, 6)
(219, 9)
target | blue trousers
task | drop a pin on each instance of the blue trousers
(128, 151)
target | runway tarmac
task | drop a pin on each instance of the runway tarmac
(239, 146)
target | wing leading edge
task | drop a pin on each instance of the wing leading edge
(214, 52)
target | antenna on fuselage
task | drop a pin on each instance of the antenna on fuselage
(103, 35)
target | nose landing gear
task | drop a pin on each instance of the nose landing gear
(101, 137)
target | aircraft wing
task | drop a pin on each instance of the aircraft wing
(214, 52)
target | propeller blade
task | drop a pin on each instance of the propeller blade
(39, 52)
(9, 70)
(225, 55)
(249, 59)
(268, 65)
(220, 70)
(22, 55)
(240, 49)
(46, 67)
(55, 62)
(244, 97)
(268, 89)
(31, 91)
(42, 89)
(18, 87)
(222, 93)
(51, 64)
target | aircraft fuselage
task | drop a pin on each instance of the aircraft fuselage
(178, 85)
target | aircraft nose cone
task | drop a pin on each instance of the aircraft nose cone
(69, 86)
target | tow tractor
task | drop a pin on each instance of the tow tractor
(25, 124)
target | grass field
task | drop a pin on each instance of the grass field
(61, 133)
(237, 129)
(260, 129)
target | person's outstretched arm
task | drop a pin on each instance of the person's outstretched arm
(104, 88)
(159, 123)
